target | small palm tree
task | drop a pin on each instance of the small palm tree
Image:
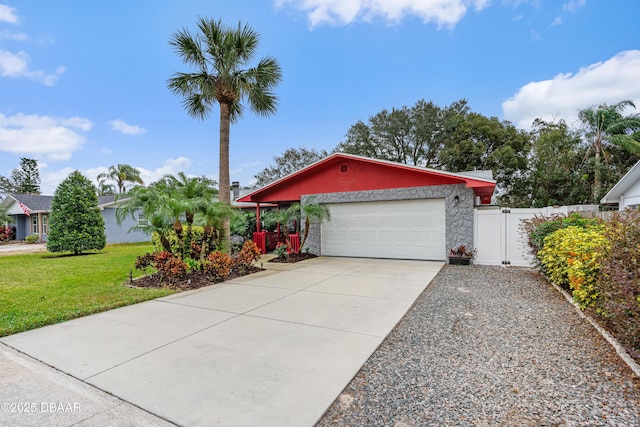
(221, 56)
(284, 217)
(606, 125)
(313, 212)
(120, 174)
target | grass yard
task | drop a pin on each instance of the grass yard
(41, 288)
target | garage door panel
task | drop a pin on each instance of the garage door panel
(408, 229)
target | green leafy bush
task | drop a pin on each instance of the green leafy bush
(281, 250)
(193, 264)
(539, 227)
(31, 239)
(571, 258)
(619, 284)
(180, 246)
(76, 222)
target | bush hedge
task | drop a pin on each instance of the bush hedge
(599, 262)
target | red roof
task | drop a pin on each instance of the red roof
(346, 172)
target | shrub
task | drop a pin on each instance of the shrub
(144, 261)
(31, 239)
(168, 265)
(247, 256)
(539, 227)
(571, 258)
(281, 250)
(193, 264)
(76, 222)
(218, 264)
(619, 283)
(197, 239)
(6, 234)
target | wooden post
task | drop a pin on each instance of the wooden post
(257, 217)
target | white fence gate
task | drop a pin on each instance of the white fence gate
(498, 238)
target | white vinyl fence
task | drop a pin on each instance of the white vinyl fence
(499, 239)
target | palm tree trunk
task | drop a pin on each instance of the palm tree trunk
(223, 182)
(596, 176)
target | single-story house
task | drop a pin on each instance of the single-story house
(383, 209)
(31, 212)
(626, 193)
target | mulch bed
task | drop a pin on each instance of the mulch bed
(293, 258)
(189, 281)
(199, 279)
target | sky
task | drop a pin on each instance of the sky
(83, 84)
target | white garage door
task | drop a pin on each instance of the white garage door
(407, 229)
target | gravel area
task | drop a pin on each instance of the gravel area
(490, 346)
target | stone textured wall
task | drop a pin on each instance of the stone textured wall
(459, 212)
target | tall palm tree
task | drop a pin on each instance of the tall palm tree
(606, 125)
(221, 56)
(120, 174)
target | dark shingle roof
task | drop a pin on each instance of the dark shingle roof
(103, 200)
(34, 202)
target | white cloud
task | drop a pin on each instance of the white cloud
(17, 65)
(446, 13)
(9, 35)
(170, 166)
(611, 81)
(42, 136)
(573, 5)
(7, 14)
(121, 126)
(557, 21)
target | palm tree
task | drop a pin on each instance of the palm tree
(316, 212)
(105, 189)
(120, 174)
(221, 56)
(606, 125)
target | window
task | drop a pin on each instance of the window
(34, 224)
(45, 224)
(142, 219)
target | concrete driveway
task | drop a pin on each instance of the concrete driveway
(272, 349)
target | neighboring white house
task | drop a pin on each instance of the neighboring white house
(626, 193)
(31, 212)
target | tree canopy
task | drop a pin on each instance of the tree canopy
(552, 164)
(291, 160)
(452, 138)
(605, 127)
(23, 180)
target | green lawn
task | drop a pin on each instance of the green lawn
(41, 288)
